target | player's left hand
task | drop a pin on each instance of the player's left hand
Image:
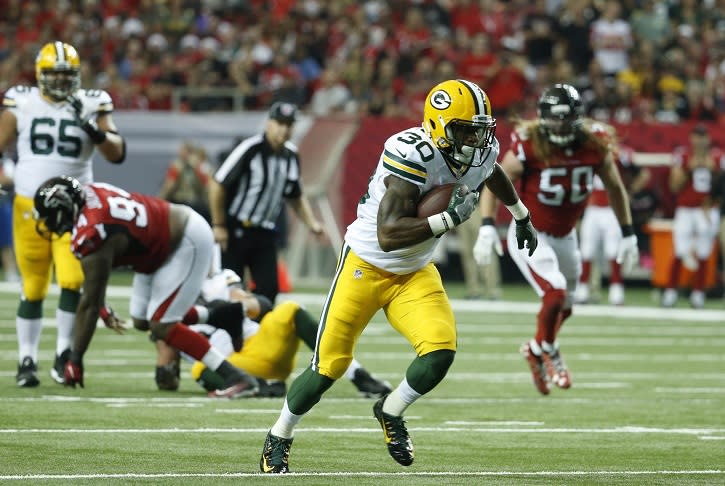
(111, 320)
(87, 123)
(628, 253)
(526, 234)
(73, 373)
(462, 205)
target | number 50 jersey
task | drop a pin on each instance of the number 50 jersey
(144, 219)
(49, 141)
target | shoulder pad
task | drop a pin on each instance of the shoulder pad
(96, 100)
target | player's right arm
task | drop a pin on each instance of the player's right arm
(8, 128)
(397, 222)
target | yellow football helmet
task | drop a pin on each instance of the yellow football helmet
(58, 70)
(457, 117)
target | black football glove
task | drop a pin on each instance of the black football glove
(73, 372)
(88, 124)
(525, 233)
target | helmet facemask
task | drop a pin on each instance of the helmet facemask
(464, 138)
(560, 115)
(58, 84)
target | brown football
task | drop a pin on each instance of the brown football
(436, 200)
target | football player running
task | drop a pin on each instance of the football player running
(255, 336)
(556, 156)
(56, 126)
(169, 247)
(385, 262)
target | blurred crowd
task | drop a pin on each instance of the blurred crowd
(652, 60)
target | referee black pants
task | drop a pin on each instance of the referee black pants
(256, 249)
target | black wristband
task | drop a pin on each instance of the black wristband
(488, 221)
(96, 135)
(76, 358)
(627, 230)
(525, 220)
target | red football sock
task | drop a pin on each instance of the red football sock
(191, 317)
(547, 319)
(563, 315)
(675, 274)
(586, 272)
(615, 270)
(186, 340)
(699, 280)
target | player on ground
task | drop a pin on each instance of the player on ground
(385, 262)
(56, 127)
(555, 156)
(169, 246)
(255, 337)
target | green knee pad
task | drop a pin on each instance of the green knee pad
(425, 372)
(69, 300)
(30, 309)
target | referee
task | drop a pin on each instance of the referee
(247, 195)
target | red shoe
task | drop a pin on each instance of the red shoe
(556, 368)
(538, 370)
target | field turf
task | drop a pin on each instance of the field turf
(647, 407)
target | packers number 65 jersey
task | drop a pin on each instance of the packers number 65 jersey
(49, 141)
(410, 155)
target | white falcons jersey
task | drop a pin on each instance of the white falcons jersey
(410, 155)
(49, 141)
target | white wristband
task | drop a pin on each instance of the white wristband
(440, 223)
(518, 210)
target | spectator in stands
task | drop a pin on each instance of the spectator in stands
(247, 193)
(697, 219)
(331, 96)
(611, 38)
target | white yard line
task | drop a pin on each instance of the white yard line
(532, 474)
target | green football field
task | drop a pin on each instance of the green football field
(647, 407)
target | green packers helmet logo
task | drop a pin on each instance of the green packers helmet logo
(440, 100)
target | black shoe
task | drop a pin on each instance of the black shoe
(400, 447)
(271, 389)
(27, 376)
(275, 455)
(57, 372)
(368, 386)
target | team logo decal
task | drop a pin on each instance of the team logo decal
(357, 274)
(440, 100)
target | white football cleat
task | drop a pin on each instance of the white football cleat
(581, 294)
(616, 294)
(669, 298)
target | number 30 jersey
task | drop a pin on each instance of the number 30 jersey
(411, 156)
(556, 191)
(49, 141)
(110, 210)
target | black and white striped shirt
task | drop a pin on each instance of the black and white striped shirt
(256, 181)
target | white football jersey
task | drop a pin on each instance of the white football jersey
(49, 141)
(410, 155)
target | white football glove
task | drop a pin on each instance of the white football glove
(487, 241)
(628, 253)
